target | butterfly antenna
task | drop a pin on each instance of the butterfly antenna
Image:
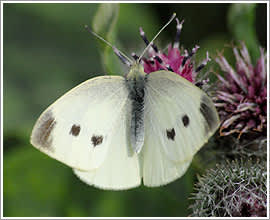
(152, 41)
(124, 58)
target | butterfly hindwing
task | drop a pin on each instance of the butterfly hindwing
(120, 169)
(179, 119)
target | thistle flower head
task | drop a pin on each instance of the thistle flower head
(236, 188)
(174, 60)
(241, 94)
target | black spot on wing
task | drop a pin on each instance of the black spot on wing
(209, 113)
(75, 130)
(170, 134)
(42, 136)
(185, 120)
(96, 140)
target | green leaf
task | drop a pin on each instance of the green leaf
(241, 20)
(104, 23)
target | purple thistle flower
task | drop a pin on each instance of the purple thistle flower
(175, 60)
(241, 94)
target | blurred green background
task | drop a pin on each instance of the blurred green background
(47, 52)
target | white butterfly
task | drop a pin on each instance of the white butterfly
(117, 131)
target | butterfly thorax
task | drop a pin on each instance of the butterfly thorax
(136, 81)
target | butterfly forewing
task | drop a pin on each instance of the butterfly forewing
(77, 128)
(179, 120)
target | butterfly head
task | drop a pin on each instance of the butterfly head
(136, 71)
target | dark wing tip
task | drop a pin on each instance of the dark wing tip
(209, 113)
(41, 134)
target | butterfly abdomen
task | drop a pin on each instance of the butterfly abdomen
(136, 88)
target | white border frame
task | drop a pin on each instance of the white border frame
(101, 1)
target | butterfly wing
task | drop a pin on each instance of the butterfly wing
(179, 119)
(120, 170)
(78, 128)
